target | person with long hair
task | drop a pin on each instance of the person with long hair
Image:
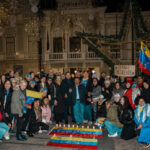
(59, 106)
(126, 117)
(35, 120)
(5, 98)
(19, 108)
(96, 92)
(46, 110)
(142, 120)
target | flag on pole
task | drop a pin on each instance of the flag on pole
(144, 59)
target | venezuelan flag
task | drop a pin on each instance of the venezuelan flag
(31, 96)
(77, 132)
(71, 142)
(144, 59)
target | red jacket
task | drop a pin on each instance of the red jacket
(128, 94)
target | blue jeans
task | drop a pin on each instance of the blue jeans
(88, 112)
(3, 129)
(78, 110)
(111, 128)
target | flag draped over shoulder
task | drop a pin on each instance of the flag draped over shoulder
(144, 59)
(31, 96)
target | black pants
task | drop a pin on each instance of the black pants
(26, 118)
(18, 124)
(35, 127)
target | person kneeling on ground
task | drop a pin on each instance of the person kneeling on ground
(142, 120)
(35, 120)
(101, 111)
(4, 129)
(112, 123)
(126, 117)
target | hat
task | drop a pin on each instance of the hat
(32, 82)
(101, 96)
(129, 80)
(134, 85)
(94, 75)
(28, 75)
(117, 95)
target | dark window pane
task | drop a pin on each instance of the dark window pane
(57, 44)
(75, 44)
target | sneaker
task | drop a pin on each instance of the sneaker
(40, 131)
(146, 145)
(7, 137)
(114, 135)
(25, 132)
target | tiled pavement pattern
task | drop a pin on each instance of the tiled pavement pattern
(38, 142)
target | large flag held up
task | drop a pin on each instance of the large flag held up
(144, 59)
(31, 96)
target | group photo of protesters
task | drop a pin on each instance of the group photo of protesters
(118, 104)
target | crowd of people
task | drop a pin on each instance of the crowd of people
(121, 105)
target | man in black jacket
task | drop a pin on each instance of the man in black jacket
(79, 94)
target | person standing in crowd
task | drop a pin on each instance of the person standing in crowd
(46, 111)
(32, 86)
(35, 120)
(18, 108)
(42, 84)
(146, 92)
(142, 120)
(4, 128)
(79, 95)
(140, 82)
(107, 90)
(102, 79)
(128, 83)
(2, 80)
(51, 75)
(67, 85)
(96, 92)
(86, 81)
(15, 86)
(5, 99)
(17, 77)
(59, 105)
(118, 89)
(132, 93)
(126, 117)
(28, 79)
(122, 81)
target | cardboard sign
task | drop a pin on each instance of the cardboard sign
(124, 70)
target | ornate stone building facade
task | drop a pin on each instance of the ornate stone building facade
(62, 49)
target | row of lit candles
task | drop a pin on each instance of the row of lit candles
(73, 126)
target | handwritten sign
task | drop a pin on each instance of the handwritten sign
(124, 70)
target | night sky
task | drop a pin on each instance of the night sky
(112, 5)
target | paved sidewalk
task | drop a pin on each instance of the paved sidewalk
(38, 142)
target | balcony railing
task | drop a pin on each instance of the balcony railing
(71, 56)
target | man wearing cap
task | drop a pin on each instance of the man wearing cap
(28, 79)
(32, 86)
(132, 93)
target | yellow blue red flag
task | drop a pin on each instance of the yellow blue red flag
(144, 59)
(31, 96)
